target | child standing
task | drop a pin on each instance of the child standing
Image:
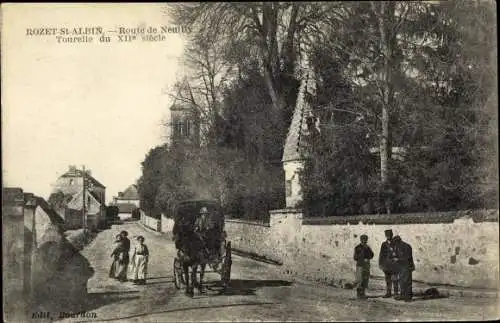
(140, 260)
(362, 255)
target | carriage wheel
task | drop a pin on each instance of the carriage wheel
(178, 274)
(226, 266)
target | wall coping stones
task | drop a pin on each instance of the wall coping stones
(286, 211)
(407, 218)
(249, 222)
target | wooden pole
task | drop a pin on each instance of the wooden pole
(84, 198)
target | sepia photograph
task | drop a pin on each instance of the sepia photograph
(250, 161)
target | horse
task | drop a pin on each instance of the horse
(193, 254)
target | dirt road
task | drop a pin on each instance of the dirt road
(257, 293)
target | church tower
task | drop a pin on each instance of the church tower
(185, 125)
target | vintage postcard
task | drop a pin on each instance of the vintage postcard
(250, 161)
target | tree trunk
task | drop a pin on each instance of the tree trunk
(385, 17)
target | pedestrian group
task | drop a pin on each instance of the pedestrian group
(121, 259)
(395, 260)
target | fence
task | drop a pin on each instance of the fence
(150, 222)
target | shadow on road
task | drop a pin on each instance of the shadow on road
(160, 282)
(244, 287)
(431, 293)
(256, 283)
(161, 277)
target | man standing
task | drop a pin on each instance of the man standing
(387, 261)
(404, 254)
(362, 255)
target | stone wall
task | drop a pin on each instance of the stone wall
(456, 248)
(13, 254)
(41, 268)
(59, 272)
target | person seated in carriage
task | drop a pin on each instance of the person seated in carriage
(209, 232)
(206, 227)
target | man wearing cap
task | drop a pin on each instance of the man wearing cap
(406, 266)
(362, 255)
(387, 261)
(201, 224)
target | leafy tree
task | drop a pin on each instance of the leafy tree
(417, 76)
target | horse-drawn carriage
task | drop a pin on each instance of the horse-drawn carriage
(200, 240)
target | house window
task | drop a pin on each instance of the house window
(288, 188)
(88, 200)
(71, 182)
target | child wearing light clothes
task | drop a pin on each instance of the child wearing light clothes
(140, 259)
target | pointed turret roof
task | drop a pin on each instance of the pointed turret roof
(295, 144)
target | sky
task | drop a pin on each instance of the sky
(95, 104)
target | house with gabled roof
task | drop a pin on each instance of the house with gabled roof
(127, 201)
(71, 182)
(129, 196)
(74, 210)
(70, 188)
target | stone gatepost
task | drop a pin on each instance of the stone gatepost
(13, 254)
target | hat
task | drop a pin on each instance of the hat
(141, 238)
(204, 210)
(125, 233)
(397, 239)
(388, 232)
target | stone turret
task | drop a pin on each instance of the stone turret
(295, 149)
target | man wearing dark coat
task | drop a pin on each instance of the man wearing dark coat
(387, 262)
(362, 255)
(406, 266)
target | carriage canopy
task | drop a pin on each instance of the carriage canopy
(186, 212)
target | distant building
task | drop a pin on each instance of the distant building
(69, 190)
(127, 201)
(71, 182)
(74, 210)
(129, 196)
